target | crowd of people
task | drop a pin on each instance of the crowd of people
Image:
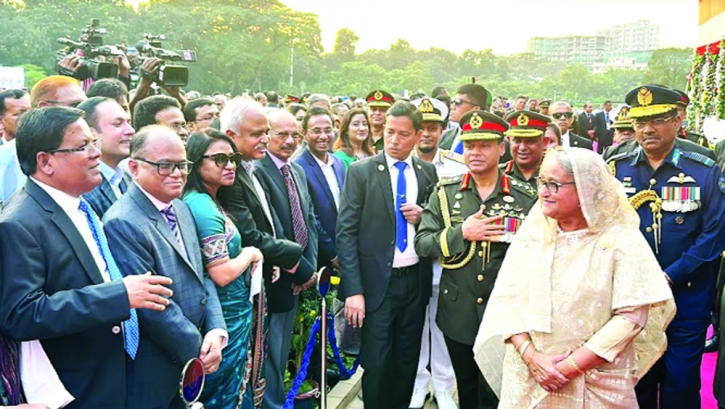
(517, 253)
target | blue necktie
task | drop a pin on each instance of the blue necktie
(130, 327)
(459, 148)
(401, 225)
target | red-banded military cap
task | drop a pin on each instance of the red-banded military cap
(379, 99)
(526, 124)
(482, 126)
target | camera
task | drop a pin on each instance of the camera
(168, 74)
(92, 51)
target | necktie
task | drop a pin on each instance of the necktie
(130, 327)
(298, 220)
(401, 225)
(170, 216)
(589, 118)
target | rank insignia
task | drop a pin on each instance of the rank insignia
(508, 199)
(378, 95)
(522, 120)
(681, 178)
(457, 205)
(458, 196)
(644, 96)
(679, 220)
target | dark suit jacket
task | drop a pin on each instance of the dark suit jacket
(366, 229)
(142, 241)
(579, 141)
(52, 290)
(102, 197)
(583, 123)
(322, 200)
(279, 294)
(603, 135)
(447, 138)
(241, 202)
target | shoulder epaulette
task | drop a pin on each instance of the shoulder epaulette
(698, 157)
(621, 156)
(449, 180)
(456, 157)
(523, 187)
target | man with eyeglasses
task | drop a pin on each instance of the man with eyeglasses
(680, 199)
(111, 124)
(160, 110)
(563, 116)
(378, 103)
(60, 282)
(151, 230)
(468, 225)
(200, 113)
(56, 90)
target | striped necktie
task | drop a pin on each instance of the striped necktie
(170, 216)
(298, 220)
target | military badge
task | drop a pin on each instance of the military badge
(644, 96)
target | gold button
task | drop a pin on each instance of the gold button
(689, 284)
(480, 277)
(480, 301)
(652, 182)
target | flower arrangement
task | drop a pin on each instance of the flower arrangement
(705, 83)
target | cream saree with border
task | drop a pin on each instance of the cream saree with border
(565, 288)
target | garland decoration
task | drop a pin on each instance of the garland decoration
(705, 83)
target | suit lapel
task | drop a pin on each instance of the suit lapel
(312, 163)
(188, 234)
(274, 173)
(160, 223)
(422, 180)
(383, 174)
(68, 229)
(107, 191)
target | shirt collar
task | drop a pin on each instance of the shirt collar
(392, 161)
(109, 173)
(672, 158)
(157, 203)
(321, 163)
(65, 201)
(277, 161)
(248, 166)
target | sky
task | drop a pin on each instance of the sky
(503, 25)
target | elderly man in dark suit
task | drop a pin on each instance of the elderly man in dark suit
(112, 125)
(150, 229)
(247, 201)
(60, 283)
(385, 284)
(564, 117)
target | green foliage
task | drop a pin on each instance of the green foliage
(250, 45)
(33, 74)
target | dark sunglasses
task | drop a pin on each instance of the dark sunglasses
(221, 159)
(559, 115)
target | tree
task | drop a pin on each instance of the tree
(345, 44)
(669, 67)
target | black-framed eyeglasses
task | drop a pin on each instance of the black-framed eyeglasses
(559, 115)
(640, 124)
(552, 186)
(459, 101)
(319, 132)
(96, 143)
(221, 159)
(168, 168)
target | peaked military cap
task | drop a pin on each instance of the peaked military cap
(684, 98)
(433, 110)
(526, 124)
(482, 126)
(379, 99)
(545, 103)
(623, 121)
(290, 99)
(651, 100)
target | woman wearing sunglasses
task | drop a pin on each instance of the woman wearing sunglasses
(230, 266)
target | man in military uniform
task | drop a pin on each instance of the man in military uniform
(527, 142)
(468, 225)
(544, 106)
(378, 103)
(680, 199)
(433, 351)
(623, 131)
(684, 132)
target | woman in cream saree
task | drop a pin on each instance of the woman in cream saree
(599, 288)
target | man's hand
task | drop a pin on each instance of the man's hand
(296, 289)
(71, 62)
(124, 66)
(275, 274)
(412, 212)
(211, 352)
(477, 229)
(355, 310)
(149, 68)
(148, 291)
(335, 264)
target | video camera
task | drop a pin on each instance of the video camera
(168, 74)
(91, 50)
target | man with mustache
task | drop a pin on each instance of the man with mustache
(680, 199)
(433, 346)
(527, 142)
(112, 125)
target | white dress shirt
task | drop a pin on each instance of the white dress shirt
(70, 205)
(249, 168)
(409, 256)
(565, 139)
(114, 176)
(330, 177)
(12, 177)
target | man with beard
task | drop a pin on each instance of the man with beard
(468, 225)
(433, 350)
(112, 125)
(678, 196)
(527, 142)
(564, 117)
(378, 103)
